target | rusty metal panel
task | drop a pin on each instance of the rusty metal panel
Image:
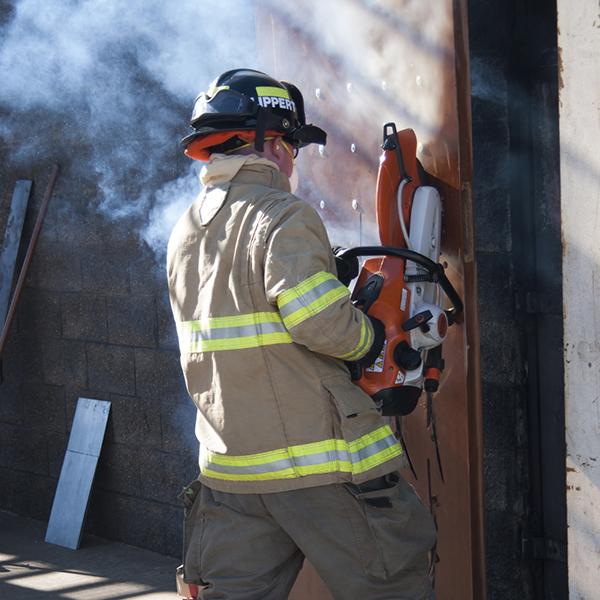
(361, 63)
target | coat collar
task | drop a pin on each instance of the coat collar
(249, 168)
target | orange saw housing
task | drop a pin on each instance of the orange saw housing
(414, 326)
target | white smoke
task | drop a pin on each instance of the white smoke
(120, 76)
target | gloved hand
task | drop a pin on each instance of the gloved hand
(347, 268)
(370, 357)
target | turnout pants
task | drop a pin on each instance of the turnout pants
(367, 542)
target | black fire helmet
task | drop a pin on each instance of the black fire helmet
(243, 105)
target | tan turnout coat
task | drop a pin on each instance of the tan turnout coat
(264, 326)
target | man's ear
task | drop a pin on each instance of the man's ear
(275, 152)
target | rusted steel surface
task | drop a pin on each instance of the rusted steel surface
(361, 63)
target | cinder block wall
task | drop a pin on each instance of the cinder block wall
(94, 321)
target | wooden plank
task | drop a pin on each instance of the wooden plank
(77, 473)
(12, 240)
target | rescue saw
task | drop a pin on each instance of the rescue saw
(402, 283)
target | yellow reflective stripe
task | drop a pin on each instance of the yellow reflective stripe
(330, 467)
(369, 438)
(240, 343)
(232, 333)
(364, 343)
(310, 297)
(234, 321)
(273, 455)
(303, 287)
(377, 459)
(357, 456)
(265, 90)
(315, 307)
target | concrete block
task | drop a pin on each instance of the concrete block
(134, 421)
(11, 405)
(132, 320)
(105, 271)
(111, 368)
(64, 361)
(492, 220)
(501, 359)
(499, 472)
(84, 317)
(23, 449)
(119, 470)
(141, 522)
(489, 89)
(101, 519)
(44, 406)
(83, 227)
(495, 287)
(158, 374)
(26, 493)
(56, 267)
(57, 446)
(163, 476)
(147, 276)
(167, 332)
(503, 418)
(178, 417)
(490, 156)
(506, 572)
(173, 530)
(39, 313)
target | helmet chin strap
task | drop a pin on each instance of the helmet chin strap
(261, 128)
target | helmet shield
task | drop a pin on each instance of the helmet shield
(225, 102)
(248, 100)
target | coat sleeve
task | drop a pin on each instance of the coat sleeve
(299, 272)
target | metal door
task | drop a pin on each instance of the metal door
(361, 63)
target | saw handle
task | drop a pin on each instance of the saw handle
(436, 270)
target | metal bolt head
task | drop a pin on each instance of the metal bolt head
(318, 93)
(353, 148)
(349, 87)
(322, 204)
(321, 150)
(285, 123)
(355, 204)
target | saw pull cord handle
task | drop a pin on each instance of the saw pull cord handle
(436, 270)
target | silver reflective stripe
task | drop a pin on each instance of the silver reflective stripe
(272, 467)
(309, 297)
(235, 332)
(374, 448)
(307, 460)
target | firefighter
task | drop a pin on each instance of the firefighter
(295, 460)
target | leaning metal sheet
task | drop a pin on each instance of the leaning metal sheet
(12, 240)
(77, 473)
(361, 63)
